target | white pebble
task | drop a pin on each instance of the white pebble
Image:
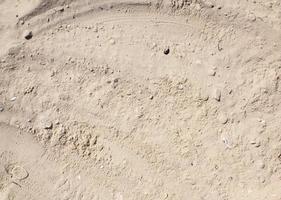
(217, 94)
(211, 72)
(19, 173)
(112, 41)
(27, 34)
(48, 125)
(222, 118)
(13, 98)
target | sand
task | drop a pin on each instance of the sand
(140, 100)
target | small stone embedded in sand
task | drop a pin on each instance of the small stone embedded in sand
(204, 96)
(255, 143)
(166, 51)
(211, 72)
(19, 173)
(180, 87)
(252, 17)
(216, 94)
(263, 123)
(61, 9)
(53, 73)
(1, 107)
(222, 118)
(21, 22)
(260, 164)
(13, 98)
(95, 29)
(112, 41)
(116, 80)
(57, 122)
(209, 4)
(48, 125)
(279, 156)
(27, 34)
(226, 140)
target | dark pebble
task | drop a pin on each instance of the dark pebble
(167, 51)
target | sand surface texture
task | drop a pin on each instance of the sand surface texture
(140, 100)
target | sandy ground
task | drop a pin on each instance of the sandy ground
(140, 100)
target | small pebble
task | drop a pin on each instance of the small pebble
(252, 17)
(112, 41)
(60, 9)
(209, 4)
(116, 80)
(165, 196)
(53, 73)
(13, 98)
(96, 29)
(166, 51)
(19, 173)
(1, 109)
(261, 179)
(217, 94)
(204, 96)
(180, 87)
(27, 34)
(211, 72)
(227, 142)
(255, 143)
(260, 164)
(48, 125)
(21, 22)
(222, 118)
